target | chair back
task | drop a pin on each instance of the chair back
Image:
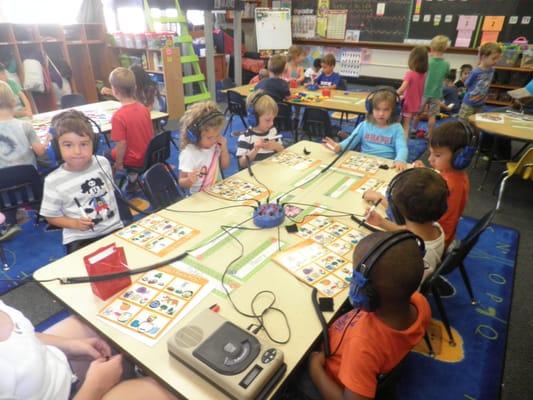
(343, 85)
(524, 166)
(456, 256)
(72, 100)
(20, 185)
(160, 187)
(283, 121)
(158, 150)
(316, 122)
(236, 103)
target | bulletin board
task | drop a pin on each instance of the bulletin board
(273, 28)
(467, 22)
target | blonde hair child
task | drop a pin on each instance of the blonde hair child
(293, 69)
(202, 146)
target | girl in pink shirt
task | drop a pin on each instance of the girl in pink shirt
(412, 88)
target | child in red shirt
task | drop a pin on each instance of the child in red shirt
(373, 338)
(131, 125)
(444, 143)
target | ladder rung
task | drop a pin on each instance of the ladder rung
(197, 97)
(193, 78)
(189, 59)
(171, 20)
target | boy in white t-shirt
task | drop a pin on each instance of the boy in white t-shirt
(203, 148)
(416, 199)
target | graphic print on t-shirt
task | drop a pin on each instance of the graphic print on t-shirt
(97, 208)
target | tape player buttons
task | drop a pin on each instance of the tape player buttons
(268, 356)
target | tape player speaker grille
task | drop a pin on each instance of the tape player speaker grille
(189, 336)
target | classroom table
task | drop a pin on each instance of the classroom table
(515, 126)
(293, 296)
(340, 100)
(100, 112)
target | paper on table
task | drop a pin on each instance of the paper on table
(493, 118)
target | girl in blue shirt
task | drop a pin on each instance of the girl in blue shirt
(380, 135)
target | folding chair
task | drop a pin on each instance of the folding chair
(453, 260)
(522, 168)
(283, 121)
(236, 107)
(160, 187)
(316, 123)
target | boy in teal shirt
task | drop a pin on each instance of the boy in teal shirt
(437, 71)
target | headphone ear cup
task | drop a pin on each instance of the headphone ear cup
(192, 136)
(368, 103)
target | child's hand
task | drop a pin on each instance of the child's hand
(193, 176)
(273, 145)
(260, 144)
(317, 358)
(92, 348)
(84, 224)
(372, 196)
(373, 218)
(418, 164)
(400, 165)
(103, 374)
(222, 141)
(331, 144)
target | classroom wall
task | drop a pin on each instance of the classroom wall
(393, 63)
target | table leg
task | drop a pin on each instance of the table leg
(488, 165)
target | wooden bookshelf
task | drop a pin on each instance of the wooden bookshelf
(82, 46)
(504, 80)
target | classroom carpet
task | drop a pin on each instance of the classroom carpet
(473, 368)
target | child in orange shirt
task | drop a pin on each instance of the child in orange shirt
(389, 318)
(451, 148)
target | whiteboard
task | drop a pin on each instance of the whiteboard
(273, 28)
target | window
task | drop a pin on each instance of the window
(39, 11)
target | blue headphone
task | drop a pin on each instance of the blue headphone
(393, 213)
(396, 111)
(251, 114)
(194, 130)
(462, 157)
(362, 294)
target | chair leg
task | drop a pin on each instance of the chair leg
(466, 280)
(431, 352)
(243, 122)
(3, 259)
(444, 316)
(500, 192)
(228, 125)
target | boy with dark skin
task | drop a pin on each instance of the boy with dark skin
(368, 343)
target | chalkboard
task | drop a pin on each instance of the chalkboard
(392, 26)
(423, 24)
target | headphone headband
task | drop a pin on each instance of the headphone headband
(397, 109)
(204, 119)
(252, 115)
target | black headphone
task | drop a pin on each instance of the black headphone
(397, 109)
(462, 157)
(251, 114)
(393, 213)
(362, 294)
(73, 114)
(194, 130)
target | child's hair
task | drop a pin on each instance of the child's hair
(379, 97)
(123, 81)
(276, 64)
(329, 59)
(418, 59)
(7, 97)
(72, 121)
(317, 63)
(146, 88)
(439, 43)
(451, 135)
(451, 75)
(396, 275)
(263, 105)
(487, 49)
(421, 195)
(294, 52)
(195, 113)
(466, 66)
(263, 74)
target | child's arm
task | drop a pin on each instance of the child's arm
(354, 139)
(301, 75)
(80, 224)
(373, 218)
(224, 153)
(102, 375)
(26, 111)
(187, 179)
(121, 152)
(402, 151)
(250, 155)
(403, 86)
